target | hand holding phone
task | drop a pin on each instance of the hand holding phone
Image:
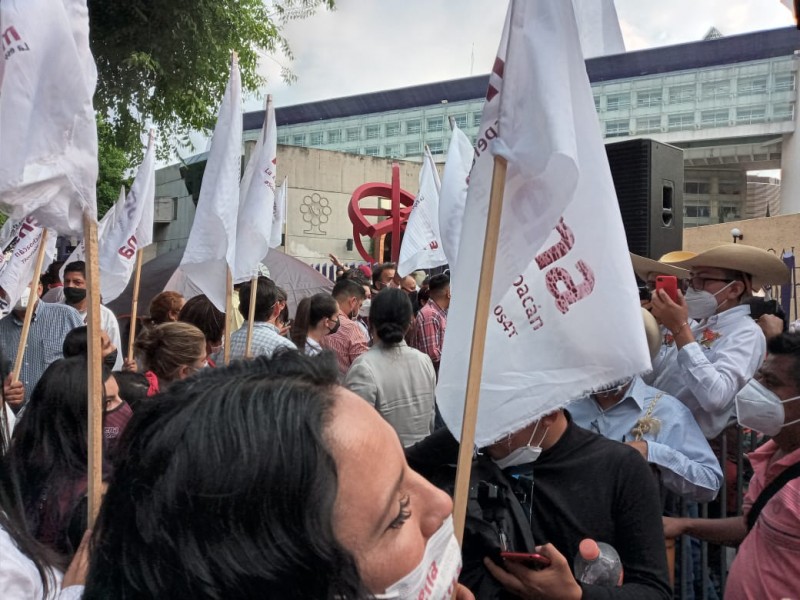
(668, 283)
(533, 561)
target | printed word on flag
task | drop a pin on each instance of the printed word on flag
(18, 270)
(422, 247)
(565, 316)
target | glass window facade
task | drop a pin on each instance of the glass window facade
(476, 118)
(618, 128)
(335, 136)
(392, 129)
(680, 121)
(315, 139)
(373, 132)
(436, 146)
(648, 125)
(713, 90)
(748, 86)
(646, 98)
(434, 124)
(372, 151)
(715, 118)
(461, 121)
(682, 93)
(413, 126)
(618, 102)
(353, 134)
(413, 149)
(751, 114)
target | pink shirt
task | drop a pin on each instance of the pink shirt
(768, 562)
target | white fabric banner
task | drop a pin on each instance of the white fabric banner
(422, 246)
(279, 214)
(120, 239)
(211, 248)
(789, 4)
(17, 272)
(598, 26)
(453, 194)
(48, 135)
(567, 319)
(257, 201)
(79, 253)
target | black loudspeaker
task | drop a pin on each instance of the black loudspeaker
(648, 177)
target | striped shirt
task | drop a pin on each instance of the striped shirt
(348, 343)
(49, 326)
(429, 331)
(266, 340)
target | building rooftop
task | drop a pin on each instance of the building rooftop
(693, 55)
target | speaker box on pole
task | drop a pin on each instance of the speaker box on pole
(648, 178)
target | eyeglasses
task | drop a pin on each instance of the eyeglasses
(699, 283)
(683, 285)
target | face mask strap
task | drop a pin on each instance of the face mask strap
(533, 433)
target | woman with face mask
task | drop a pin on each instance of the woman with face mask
(279, 484)
(316, 317)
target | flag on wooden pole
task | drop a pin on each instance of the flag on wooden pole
(257, 200)
(565, 315)
(279, 215)
(130, 229)
(453, 194)
(48, 134)
(422, 245)
(598, 27)
(211, 249)
(18, 271)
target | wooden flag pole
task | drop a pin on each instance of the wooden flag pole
(251, 314)
(32, 299)
(228, 316)
(137, 275)
(480, 325)
(95, 367)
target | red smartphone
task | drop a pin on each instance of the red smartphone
(532, 561)
(668, 283)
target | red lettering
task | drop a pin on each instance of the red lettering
(10, 36)
(571, 292)
(560, 249)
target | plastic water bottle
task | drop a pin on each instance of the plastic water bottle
(598, 563)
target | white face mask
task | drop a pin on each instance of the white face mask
(702, 304)
(524, 455)
(759, 408)
(434, 578)
(22, 303)
(364, 310)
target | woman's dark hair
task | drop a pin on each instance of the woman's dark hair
(225, 488)
(48, 454)
(201, 312)
(76, 342)
(266, 297)
(390, 314)
(309, 313)
(132, 387)
(12, 508)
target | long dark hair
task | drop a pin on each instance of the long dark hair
(48, 453)
(12, 512)
(390, 314)
(309, 313)
(225, 488)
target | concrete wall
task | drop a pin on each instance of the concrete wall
(320, 185)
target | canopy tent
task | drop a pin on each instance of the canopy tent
(294, 276)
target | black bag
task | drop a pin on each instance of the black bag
(495, 522)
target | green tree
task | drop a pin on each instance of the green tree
(167, 62)
(112, 165)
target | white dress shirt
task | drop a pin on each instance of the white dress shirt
(687, 463)
(109, 324)
(706, 374)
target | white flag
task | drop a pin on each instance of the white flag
(130, 229)
(453, 194)
(598, 26)
(257, 201)
(48, 135)
(79, 253)
(422, 245)
(567, 320)
(211, 248)
(279, 215)
(17, 272)
(790, 5)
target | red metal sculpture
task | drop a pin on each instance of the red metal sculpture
(402, 202)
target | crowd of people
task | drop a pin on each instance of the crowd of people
(316, 465)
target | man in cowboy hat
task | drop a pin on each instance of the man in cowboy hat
(710, 360)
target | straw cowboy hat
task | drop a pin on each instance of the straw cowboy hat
(764, 267)
(643, 266)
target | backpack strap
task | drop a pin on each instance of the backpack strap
(768, 492)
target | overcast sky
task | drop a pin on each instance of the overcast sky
(370, 45)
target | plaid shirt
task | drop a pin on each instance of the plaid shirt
(348, 342)
(266, 340)
(429, 331)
